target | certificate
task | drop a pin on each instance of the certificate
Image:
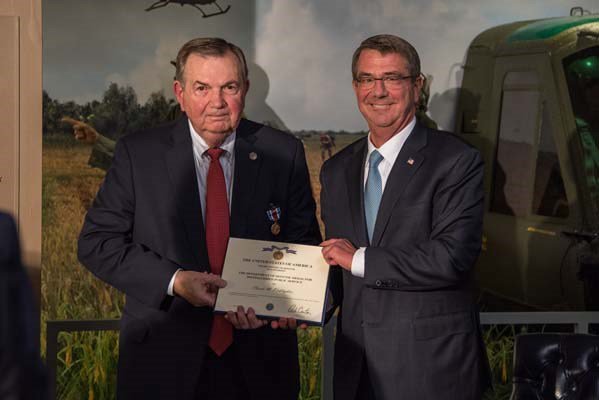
(275, 279)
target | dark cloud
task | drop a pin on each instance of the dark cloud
(320, 37)
(304, 46)
(87, 41)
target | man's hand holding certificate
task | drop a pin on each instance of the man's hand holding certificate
(277, 280)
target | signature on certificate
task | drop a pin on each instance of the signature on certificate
(272, 289)
(295, 308)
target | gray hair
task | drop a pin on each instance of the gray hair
(386, 44)
(209, 47)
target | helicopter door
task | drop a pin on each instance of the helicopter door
(528, 206)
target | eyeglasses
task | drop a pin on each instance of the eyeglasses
(390, 81)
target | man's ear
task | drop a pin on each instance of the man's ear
(178, 91)
(418, 85)
(354, 84)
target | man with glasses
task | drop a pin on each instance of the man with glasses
(159, 227)
(403, 214)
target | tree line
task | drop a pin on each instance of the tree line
(117, 114)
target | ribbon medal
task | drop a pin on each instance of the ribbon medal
(274, 215)
(279, 252)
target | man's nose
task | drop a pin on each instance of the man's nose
(217, 98)
(379, 89)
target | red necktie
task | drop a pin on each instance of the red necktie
(217, 237)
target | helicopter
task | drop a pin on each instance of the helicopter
(194, 3)
(529, 103)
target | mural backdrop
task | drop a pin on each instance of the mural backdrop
(107, 72)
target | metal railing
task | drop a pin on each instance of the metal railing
(53, 330)
(579, 320)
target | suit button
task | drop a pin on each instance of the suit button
(378, 283)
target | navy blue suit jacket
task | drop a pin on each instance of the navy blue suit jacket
(22, 375)
(412, 318)
(146, 222)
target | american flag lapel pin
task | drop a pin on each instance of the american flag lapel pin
(410, 161)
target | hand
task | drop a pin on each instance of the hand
(338, 252)
(241, 320)
(287, 323)
(83, 132)
(198, 288)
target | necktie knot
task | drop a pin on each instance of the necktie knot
(375, 159)
(215, 153)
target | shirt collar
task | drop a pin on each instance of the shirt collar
(391, 148)
(201, 146)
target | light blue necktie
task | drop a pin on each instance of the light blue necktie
(373, 191)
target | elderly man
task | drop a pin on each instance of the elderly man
(403, 214)
(158, 231)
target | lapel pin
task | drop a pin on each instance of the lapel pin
(410, 161)
(253, 156)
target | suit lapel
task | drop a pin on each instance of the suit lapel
(247, 165)
(181, 170)
(355, 168)
(407, 163)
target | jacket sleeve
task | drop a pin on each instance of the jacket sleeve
(446, 258)
(335, 292)
(106, 246)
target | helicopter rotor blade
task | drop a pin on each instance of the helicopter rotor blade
(222, 11)
(158, 4)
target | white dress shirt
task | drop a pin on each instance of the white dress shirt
(389, 150)
(202, 163)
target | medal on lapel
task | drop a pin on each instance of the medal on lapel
(274, 215)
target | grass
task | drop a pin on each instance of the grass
(86, 360)
(500, 350)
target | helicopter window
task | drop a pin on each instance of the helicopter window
(582, 77)
(549, 197)
(513, 180)
(521, 78)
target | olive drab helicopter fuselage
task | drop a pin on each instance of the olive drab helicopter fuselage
(529, 101)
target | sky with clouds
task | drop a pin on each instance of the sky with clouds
(304, 46)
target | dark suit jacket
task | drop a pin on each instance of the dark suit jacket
(412, 317)
(146, 222)
(22, 375)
